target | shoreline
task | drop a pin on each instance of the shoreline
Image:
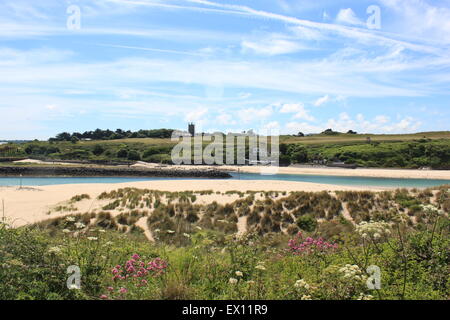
(322, 171)
(222, 171)
(92, 172)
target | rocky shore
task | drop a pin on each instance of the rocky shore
(80, 171)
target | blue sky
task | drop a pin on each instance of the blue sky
(286, 65)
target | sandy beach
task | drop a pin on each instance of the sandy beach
(303, 170)
(32, 204)
(360, 172)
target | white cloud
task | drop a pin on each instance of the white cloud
(421, 18)
(50, 107)
(348, 16)
(291, 107)
(225, 119)
(298, 109)
(345, 122)
(271, 126)
(255, 114)
(382, 119)
(322, 100)
(294, 127)
(196, 115)
(271, 46)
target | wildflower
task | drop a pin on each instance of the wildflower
(432, 210)
(260, 267)
(135, 256)
(352, 272)
(309, 245)
(363, 296)
(239, 274)
(251, 282)
(233, 281)
(103, 297)
(55, 250)
(66, 231)
(92, 238)
(301, 284)
(186, 235)
(102, 231)
(376, 230)
(74, 287)
(170, 231)
(198, 228)
(110, 289)
(80, 225)
(123, 290)
(70, 219)
(305, 297)
(157, 230)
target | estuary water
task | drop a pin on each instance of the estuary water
(322, 179)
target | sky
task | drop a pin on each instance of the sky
(285, 66)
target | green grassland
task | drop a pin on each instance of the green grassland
(428, 149)
(298, 246)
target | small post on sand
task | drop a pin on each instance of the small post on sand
(3, 209)
(20, 181)
(239, 174)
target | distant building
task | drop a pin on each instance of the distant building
(191, 129)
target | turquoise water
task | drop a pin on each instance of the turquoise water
(334, 180)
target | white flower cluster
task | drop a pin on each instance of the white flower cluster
(432, 210)
(363, 296)
(352, 272)
(302, 284)
(55, 250)
(80, 225)
(373, 229)
(260, 266)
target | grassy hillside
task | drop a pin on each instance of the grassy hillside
(430, 149)
(197, 254)
(351, 138)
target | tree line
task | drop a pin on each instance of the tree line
(100, 134)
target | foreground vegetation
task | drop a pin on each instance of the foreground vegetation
(385, 151)
(323, 248)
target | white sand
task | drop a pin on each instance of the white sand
(30, 205)
(376, 173)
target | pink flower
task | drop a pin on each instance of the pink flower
(135, 256)
(103, 297)
(110, 289)
(123, 290)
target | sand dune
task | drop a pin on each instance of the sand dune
(30, 205)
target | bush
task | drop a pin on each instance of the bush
(307, 223)
(122, 153)
(98, 150)
(134, 155)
